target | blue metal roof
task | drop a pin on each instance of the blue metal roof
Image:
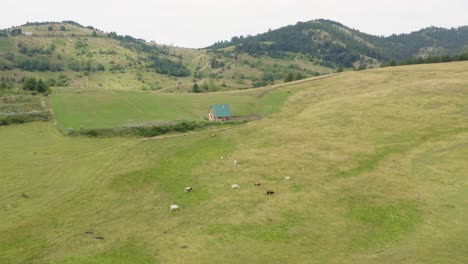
(221, 110)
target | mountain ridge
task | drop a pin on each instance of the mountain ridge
(308, 38)
(90, 57)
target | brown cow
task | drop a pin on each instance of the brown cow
(270, 192)
(258, 184)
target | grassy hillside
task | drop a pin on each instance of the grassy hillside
(69, 54)
(377, 161)
(88, 58)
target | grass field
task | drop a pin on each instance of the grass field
(377, 161)
(97, 109)
(5, 45)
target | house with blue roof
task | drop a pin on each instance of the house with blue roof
(219, 112)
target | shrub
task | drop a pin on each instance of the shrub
(24, 118)
(146, 131)
(31, 84)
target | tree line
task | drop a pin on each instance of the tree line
(429, 60)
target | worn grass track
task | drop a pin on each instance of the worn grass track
(377, 161)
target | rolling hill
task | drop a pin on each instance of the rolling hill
(332, 44)
(377, 161)
(69, 54)
(72, 55)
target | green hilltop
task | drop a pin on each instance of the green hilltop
(332, 44)
(86, 57)
(70, 54)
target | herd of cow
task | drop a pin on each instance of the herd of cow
(233, 187)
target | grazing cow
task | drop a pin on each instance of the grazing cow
(174, 207)
(235, 186)
(213, 136)
(270, 192)
(222, 158)
(287, 178)
(235, 162)
(258, 184)
(188, 189)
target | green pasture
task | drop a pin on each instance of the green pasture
(377, 161)
(97, 109)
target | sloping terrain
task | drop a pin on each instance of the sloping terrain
(67, 54)
(377, 161)
(70, 55)
(332, 44)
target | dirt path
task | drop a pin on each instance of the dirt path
(196, 133)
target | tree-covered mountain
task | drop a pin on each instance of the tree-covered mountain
(332, 44)
(69, 54)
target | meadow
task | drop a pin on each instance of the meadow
(101, 109)
(377, 161)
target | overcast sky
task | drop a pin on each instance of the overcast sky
(200, 23)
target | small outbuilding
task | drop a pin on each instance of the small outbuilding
(219, 112)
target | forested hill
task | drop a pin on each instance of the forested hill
(69, 54)
(332, 44)
(52, 46)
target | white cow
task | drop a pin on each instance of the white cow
(188, 189)
(287, 178)
(174, 207)
(235, 162)
(235, 186)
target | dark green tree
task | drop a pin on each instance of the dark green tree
(42, 87)
(298, 76)
(16, 31)
(100, 67)
(205, 86)
(30, 84)
(196, 88)
(94, 34)
(289, 77)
